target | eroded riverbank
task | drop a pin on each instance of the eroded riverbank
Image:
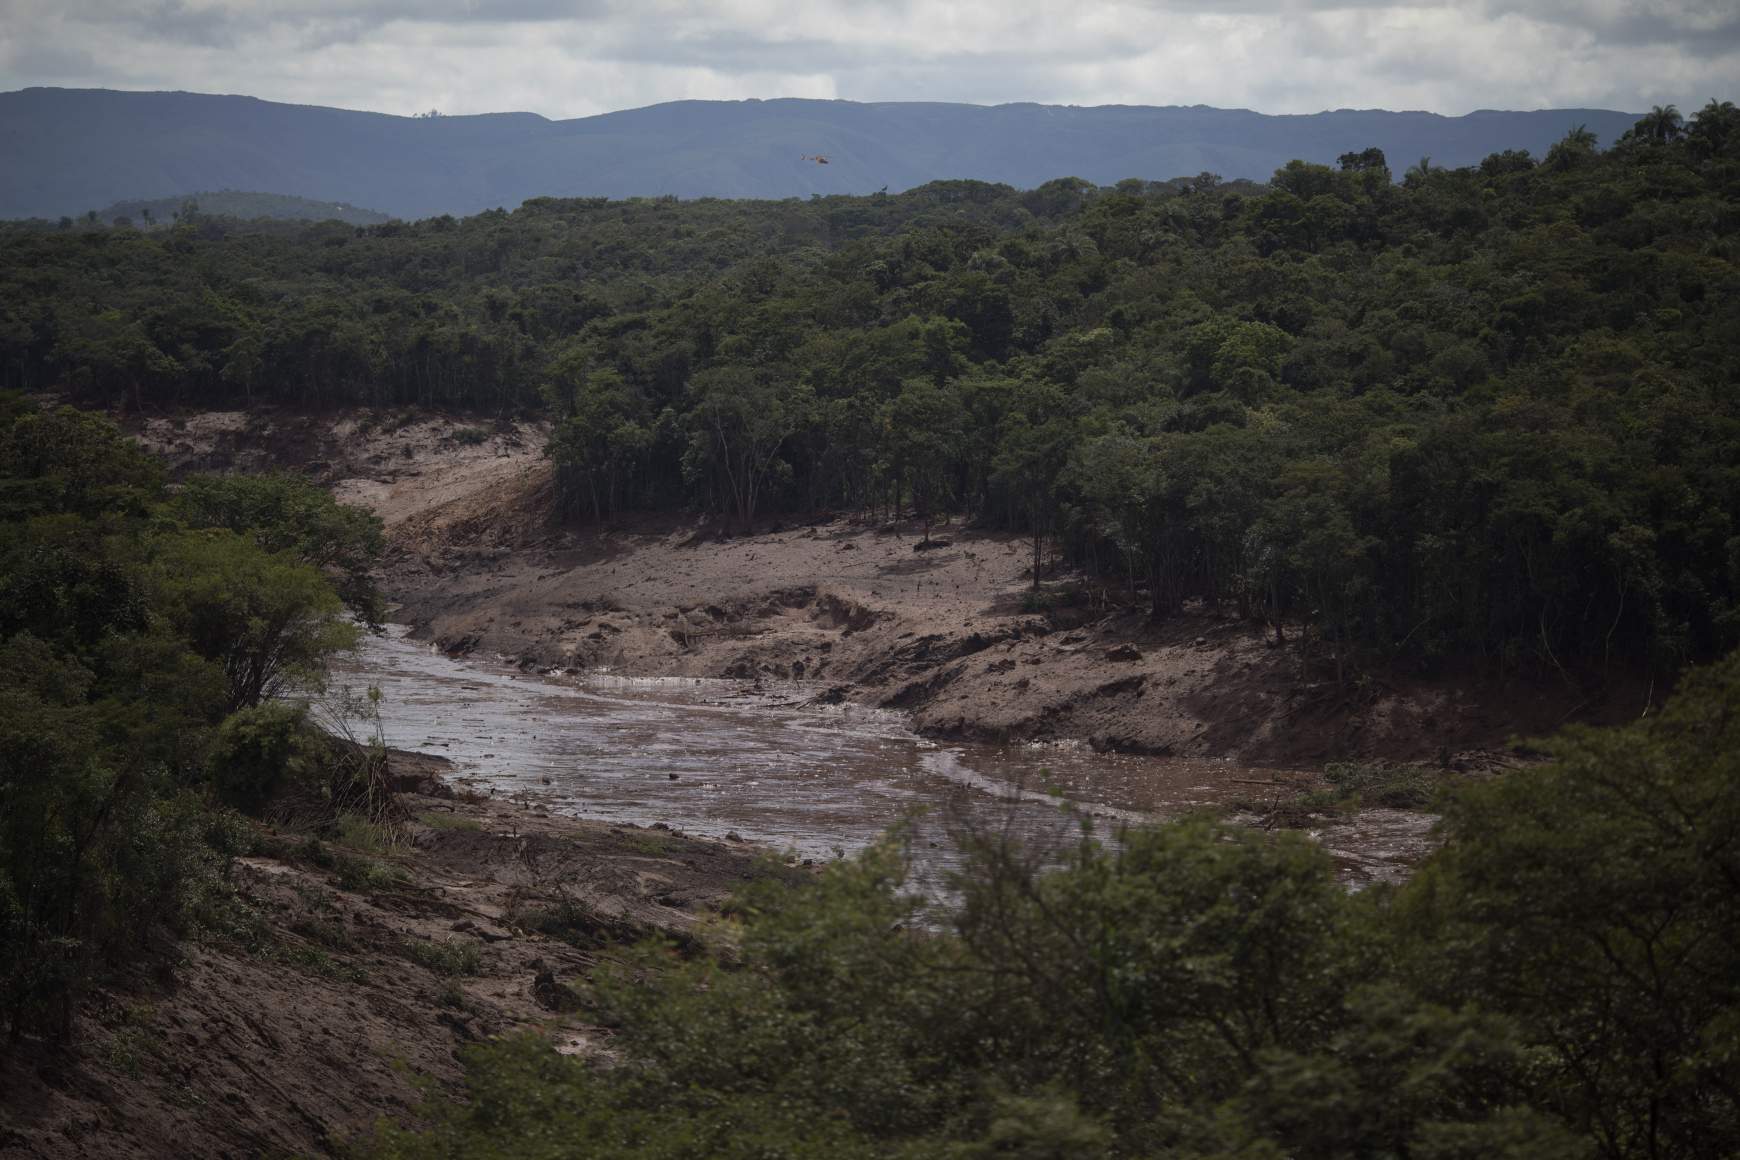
(350, 973)
(769, 763)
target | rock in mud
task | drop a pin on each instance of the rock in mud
(551, 995)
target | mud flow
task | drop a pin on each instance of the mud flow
(770, 765)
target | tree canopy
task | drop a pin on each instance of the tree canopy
(1481, 413)
(142, 639)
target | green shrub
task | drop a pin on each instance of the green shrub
(1379, 783)
(316, 853)
(316, 961)
(577, 924)
(262, 751)
(361, 874)
(653, 845)
(128, 1049)
(446, 958)
(324, 932)
(362, 833)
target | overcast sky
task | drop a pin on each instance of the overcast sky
(567, 58)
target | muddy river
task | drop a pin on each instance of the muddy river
(770, 765)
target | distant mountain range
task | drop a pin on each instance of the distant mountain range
(67, 151)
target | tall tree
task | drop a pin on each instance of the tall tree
(1662, 123)
(741, 418)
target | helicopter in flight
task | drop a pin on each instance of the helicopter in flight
(816, 157)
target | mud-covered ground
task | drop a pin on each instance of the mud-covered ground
(357, 977)
(950, 633)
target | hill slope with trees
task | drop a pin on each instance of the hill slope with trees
(1483, 413)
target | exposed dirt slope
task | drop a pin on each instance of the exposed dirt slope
(351, 993)
(404, 465)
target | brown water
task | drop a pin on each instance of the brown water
(714, 758)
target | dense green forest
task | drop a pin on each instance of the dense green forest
(1479, 413)
(143, 639)
(1560, 982)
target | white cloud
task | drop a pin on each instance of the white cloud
(576, 57)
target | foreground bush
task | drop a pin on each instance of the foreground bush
(140, 643)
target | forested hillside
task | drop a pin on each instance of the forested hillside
(1480, 413)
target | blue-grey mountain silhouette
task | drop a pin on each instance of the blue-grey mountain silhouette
(66, 151)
